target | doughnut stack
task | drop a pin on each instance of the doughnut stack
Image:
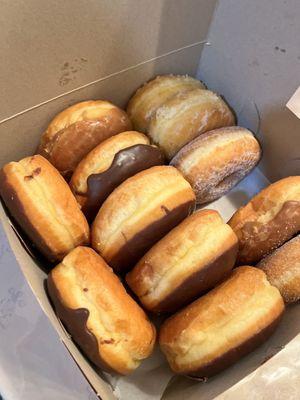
(109, 201)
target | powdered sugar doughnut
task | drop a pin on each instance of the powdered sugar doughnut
(282, 268)
(155, 93)
(216, 161)
(187, 115)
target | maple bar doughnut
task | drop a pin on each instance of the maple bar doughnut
(187, 115)
(108, 165)
(282, 268)
(107, 324)
(188, 261)
(140, 212)
(216, 161)
(155, 93)
(75, 131)
(224, 325)
(271, 218)
(41, 202)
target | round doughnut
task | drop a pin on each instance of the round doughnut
(138, 213)
(187, 115)
(271, 218)
(74, 132)
(282, 268)
(188, 261)
(216, 161)
(42, 204)
(108, 165)
(219, 328)
(108, 325)
(155, 93)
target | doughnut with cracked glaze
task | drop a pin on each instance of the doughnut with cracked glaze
(217, 160)
(282, 268)
(188, 261)
(140, 212)
(271, 218)
(74, 132)
(153, 94)
(187, 115)
(224, 325)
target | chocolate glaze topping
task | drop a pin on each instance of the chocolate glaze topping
(126, 163)
(257, 239)
(199, 282)
(75, 321)
(139, 244)
(233, 355)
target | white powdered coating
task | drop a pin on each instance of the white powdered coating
(209, 179)
(282, 268)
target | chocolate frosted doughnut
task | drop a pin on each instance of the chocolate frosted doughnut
(138, 213)
(155, 93)
(218, 329)
(282, 268)
(187, 115)
(216, 161)
(74, 132)
(107, 324)
(108, 165)
(41, 202)
(188, 261)
(271, 218)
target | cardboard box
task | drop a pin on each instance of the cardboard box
(55, 54)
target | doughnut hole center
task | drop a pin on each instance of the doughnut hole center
(228, 181)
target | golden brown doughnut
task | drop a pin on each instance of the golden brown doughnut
(106, 323)
(42, 203)
(155, 93)
(187, 115)
(271, 218)
(218, 329)
(140, 212)
(74, 132)
(188, 261)
(217, 160)
(282, 268)
(108, 165)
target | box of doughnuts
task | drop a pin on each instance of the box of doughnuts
(151, 200)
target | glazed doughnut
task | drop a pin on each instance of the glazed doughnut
(42, 204)
(155, 93)
(216, 161)
(271, 218)
(74, 132)
(218, 329)
(106, 323)
(187, 115)
(188, 261)
(108, 165)
(282, 268)
(138, 213)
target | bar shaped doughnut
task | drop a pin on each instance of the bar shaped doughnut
(218, 329)
(271, 218)
(107, 324)
(138, 213)
(188, 261)
(41, 202)
(74, 132)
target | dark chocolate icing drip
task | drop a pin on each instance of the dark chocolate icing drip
(139, 244)
(75, 321)
(199, 282)
(126, 163)
(233, 355)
